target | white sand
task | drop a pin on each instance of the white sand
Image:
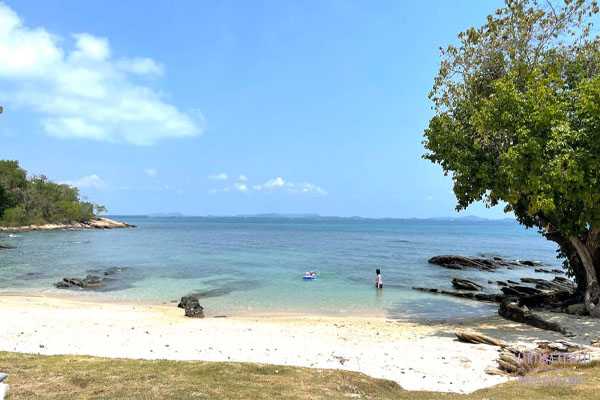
(417, 357)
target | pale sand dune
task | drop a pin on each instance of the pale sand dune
(418, 357)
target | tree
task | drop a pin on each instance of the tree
(38, 200)
(517, 120)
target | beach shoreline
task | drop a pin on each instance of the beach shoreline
(94, 223)
(419, 355)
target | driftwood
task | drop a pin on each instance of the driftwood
(518, 359)
(477, 338)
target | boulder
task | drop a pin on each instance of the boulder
(184, 300)
(465, 284)
(192, 307)
(529, 263)
(577, 309)
(6, 246)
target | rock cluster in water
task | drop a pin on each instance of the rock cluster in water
(518, 300)
(91, 281)
(461, 262)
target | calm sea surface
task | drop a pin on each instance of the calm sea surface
(255, 265)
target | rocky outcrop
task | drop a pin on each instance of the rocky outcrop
(6, 246)
(91, 281)
(511, 310)
(495, 298)
(453, 261)
(95, 223)
(462, 262)
(192, 307)
(465, 284)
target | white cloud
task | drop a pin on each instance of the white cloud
(140, 66)
(151, 172)
(219, 177)
(87, 181)
(257, 187)
(242, 178)
(274, 183)
(291, 187)
(85, 92)
(240, 186)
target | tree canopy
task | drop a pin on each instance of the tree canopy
(517, 120)
(36, 200)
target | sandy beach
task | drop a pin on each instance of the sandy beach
(419, 356)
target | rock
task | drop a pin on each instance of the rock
(465, 284)
(94, 223)
(545, 271)
(529, 263)
(184, 300)
(514, 312)
(6, 246)
(577, 309)
(519, 291)
(501, 283)
(477, 338)
(192, 307)
(89, 282)
(3, 376)
(461, 262)
(548, 299)
(495, 298)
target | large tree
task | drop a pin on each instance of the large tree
(517, 120)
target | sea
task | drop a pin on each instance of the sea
(255, 265)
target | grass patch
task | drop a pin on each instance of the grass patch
(81, 377)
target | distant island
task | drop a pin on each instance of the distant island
(36, 203)
(466, 218)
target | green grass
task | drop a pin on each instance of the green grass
(81, 377)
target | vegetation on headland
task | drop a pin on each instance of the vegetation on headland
(518, 121)
(82, 377)
(36, 200)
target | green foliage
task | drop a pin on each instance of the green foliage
(518, 117)
(37, 200)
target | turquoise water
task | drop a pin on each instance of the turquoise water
(255, 265)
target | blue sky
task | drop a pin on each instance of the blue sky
(231, 107)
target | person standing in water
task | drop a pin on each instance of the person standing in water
(378, 283)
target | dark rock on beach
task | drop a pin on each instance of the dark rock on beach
(514, 312)
(192, 307)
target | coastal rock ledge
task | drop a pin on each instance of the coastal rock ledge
(95, 223)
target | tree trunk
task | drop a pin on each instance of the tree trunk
(586, 253)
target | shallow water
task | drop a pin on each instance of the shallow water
(255, 265)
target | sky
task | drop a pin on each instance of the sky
(232, 107)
